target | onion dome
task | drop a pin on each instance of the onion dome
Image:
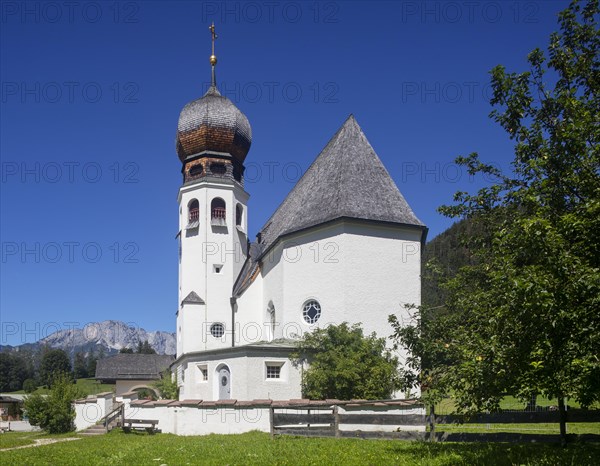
(213, 123)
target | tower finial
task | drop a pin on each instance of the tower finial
(213, 57)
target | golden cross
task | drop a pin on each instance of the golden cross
(214, 36)
(213, 57)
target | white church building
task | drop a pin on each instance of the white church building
(343, 246)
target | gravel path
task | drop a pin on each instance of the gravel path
(42, 441)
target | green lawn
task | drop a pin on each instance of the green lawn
(91, 387)
(118, 448)
(447, 405)
(17, 439)
(534, 428)
(88, 386)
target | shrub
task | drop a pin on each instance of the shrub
(343, 363)
(167, 386)
(54, 413)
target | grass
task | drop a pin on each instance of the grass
(87, 386)
(91, 387)
(118, 448)
(537, 428)
(447, 406)
(17, 439)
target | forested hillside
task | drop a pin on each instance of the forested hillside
(442, 257)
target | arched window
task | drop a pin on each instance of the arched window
(217, 211)
(271, 317)
(239, 212)
(193, 211)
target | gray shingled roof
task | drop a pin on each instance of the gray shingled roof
(193, 298)
(133, 366)
(348, 180)
(9, 399)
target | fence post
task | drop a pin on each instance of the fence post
(432, 423)
(336, 421)
(271, 421)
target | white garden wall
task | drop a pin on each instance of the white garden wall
(89, 411)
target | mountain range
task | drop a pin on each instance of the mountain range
(108, 336)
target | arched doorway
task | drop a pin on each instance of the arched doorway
(224, 382)
(146, 392)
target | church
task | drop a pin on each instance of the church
(343, 246)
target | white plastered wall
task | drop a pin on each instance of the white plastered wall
(248, 377)
(202, 249)
(358, 272)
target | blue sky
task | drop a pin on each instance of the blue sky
(91, 94)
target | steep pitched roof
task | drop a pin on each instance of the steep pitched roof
(133, 366)
(347, 180)
(192, 298)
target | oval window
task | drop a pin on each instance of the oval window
(311, 311)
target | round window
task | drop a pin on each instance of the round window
(311, 311)
(217, 330)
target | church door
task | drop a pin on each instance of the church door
(224, 383)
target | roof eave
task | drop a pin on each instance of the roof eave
(280, 238)
(259, 347)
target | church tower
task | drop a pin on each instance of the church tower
(213, 138)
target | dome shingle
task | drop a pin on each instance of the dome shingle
(213, 123)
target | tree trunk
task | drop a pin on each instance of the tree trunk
(562, 412)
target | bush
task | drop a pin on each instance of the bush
(167, 386)
(343, 363)
(54, 413)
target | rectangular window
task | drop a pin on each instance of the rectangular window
(273, 371)
(203, 373)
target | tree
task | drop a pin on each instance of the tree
(54, 361)
(345, 364)
(167, 386)
(126, 350)
(145, 348)
(15, 368)
(91, 364)
(80, 366)
(29, 385)
(443, 256)
(524, 319)
(54, 413)
(5, 367)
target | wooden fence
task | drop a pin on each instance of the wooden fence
(509, 417)
(339, 421)
(399, 423)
